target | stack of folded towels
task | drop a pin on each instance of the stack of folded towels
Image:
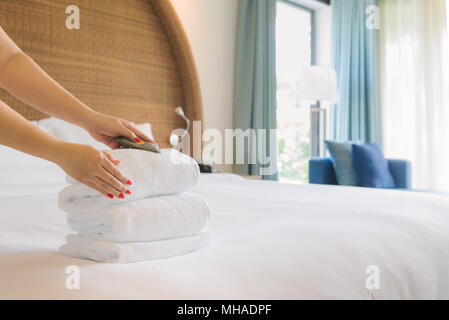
(160, 219)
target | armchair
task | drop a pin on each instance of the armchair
(321, 171)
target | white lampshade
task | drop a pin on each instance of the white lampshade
(318, 84)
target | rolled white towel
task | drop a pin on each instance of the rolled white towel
(152, 174)
(105, 251)
(148, 219)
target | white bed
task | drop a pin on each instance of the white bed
(272, 241)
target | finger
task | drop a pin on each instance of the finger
(127, 133)
(107, 155)
(93, 186)
(137, 132)
(115, 172)
(105, 187)
(112, 181)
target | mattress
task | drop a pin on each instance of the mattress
(272, 241)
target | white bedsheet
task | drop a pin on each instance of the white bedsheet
(272, 241)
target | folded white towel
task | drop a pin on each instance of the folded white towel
(149, 219)
(104, 251)
(152, 174)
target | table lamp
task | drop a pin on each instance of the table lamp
(318, 84)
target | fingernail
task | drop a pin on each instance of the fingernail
(118, 162)
(129, 182)
(137, 140)
(128, 192)
(110, 196)
(121, 196)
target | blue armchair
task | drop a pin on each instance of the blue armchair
(321, 171)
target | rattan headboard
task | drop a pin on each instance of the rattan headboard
(130, 58)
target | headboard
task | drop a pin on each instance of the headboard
(130, 58)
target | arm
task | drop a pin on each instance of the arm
(402, 173)
(84, 163)
(24, 79)
(321, 171)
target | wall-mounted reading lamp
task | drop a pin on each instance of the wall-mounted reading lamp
(175, 139)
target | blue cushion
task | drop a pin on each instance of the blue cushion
(341, 154)
(371, 166)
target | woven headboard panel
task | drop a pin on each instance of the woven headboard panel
(130, 58)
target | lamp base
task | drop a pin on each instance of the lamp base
(318, 130)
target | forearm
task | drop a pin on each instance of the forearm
(85, 164)
(24, 79)
(20, 134)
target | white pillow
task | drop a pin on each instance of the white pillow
(71, 133)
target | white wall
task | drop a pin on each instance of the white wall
(210, 26)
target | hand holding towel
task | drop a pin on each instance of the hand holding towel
(156, 221)
(152, 174)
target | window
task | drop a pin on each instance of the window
(294, 52)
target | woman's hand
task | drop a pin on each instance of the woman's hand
(93, 168)
(106, 129)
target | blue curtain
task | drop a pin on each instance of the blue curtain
(356, 60)
(255, 78)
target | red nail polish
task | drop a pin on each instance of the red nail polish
(129, 182)
(128, 192)
(118, 162)
(137, 140)
(121, 196)
(110, 196)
